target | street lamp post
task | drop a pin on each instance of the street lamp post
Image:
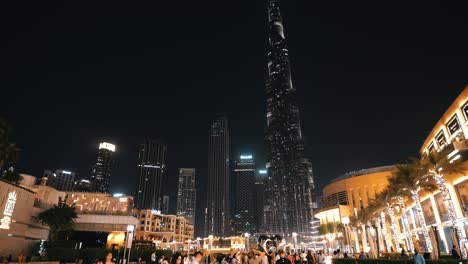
(128, 242)
(345, 222)
(294, 234)
(247, 245)
(189, 242)
(210, 244)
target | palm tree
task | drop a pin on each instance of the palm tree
(13, 177)
(386, 207)
(59, 218)
(410, 180)
(437, 165)
(368, 217)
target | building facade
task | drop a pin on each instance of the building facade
(102, 169)
(245, 204)
(20, 230)
(165, 231)
(187, 195)
(218, 211)
(152, 158)
(349, 194)
(290, 184)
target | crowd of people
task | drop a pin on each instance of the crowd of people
(259, 255)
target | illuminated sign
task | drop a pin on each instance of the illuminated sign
(107, 146)
(66, 172)
(262, 171)
(8, 211)
(246, 157)
(118, 194)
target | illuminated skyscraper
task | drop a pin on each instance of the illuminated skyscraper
(289, 186)
(165, 204)
(218, 214)
(186, 194)
(62, 180)
(244, 178)
(102, 169)
(151, 170)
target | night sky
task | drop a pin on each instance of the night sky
(372, 80)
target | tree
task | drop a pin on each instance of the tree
(437, 165)
(11, 176)
(410, 180)
(59, 218)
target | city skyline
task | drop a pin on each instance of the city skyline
(365, 88)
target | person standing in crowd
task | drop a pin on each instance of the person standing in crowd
(310, 258)
(197, 257)
(282, 258)
(109, 259)
(176, 258)
(153, 258)
(418, 258)
(320, 257)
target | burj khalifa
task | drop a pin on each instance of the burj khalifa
(289, 186)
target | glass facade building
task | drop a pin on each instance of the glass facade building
(102, 169)
(151, 169)
(245, 204)
(289, 185)
(217, 222)
(187, 194)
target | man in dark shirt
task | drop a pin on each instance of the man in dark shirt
(283, 259)
(310, 258)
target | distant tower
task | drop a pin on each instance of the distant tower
(62, 180)
(259, 198)
(289, 186)
(151, 170)
(218, 215)
(82, 185)
(244, 174)
(102, 169)
(186, 194)
(165, 204)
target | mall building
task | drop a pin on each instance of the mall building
(347, 195)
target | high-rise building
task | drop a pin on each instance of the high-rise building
(187, 194)
(244, 216)
(218, 213)
(102, 169)
(82, 185)
(165, 204)
(151, 170)
(289, 185)
(259, 198)
(62, 180)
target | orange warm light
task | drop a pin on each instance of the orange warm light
(115, 238)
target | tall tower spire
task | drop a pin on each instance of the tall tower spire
(290, 184)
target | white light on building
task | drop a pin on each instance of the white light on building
(8, 211)
(107, 146)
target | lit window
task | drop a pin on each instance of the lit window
(430, 148)
(441, 139)
(465, 110)
(453, 125)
